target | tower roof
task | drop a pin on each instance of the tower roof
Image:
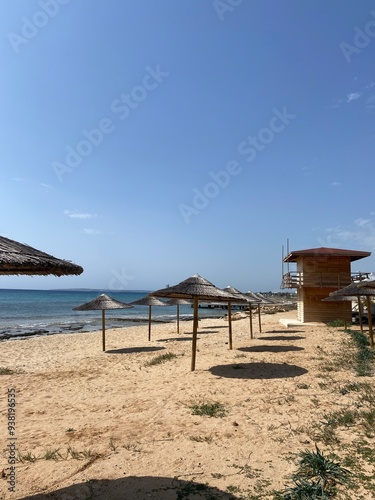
(326, 252)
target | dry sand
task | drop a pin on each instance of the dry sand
(125, 430)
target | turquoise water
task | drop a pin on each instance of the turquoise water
(30, 312)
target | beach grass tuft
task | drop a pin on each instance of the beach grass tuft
(216, 410)
(112, 444)
(27, 457)
(76, 455)
(6, 371)
(53, 454)
(316, 477)
(162, 358)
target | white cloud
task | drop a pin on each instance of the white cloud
(353, 96)
(335, 183)
(91, 232)
(360, 237)
(79, 215)
(361, 222)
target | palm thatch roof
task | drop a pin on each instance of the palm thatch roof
(18, 258)
(353, 290)
(101, 303)
(148, 301)
(367, 284)
(235, 292)
(252, 297)
(196, 287)
(179, 302)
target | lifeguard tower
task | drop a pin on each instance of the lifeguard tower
(319, 272)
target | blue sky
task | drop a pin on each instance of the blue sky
(151, 140)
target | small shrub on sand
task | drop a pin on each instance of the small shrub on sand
(316, 477)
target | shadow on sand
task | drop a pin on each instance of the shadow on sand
(258, 370)
(286, 331)
(135, 488)
(283, 337)
(271, 348)
(216, 326)
(129, 350)
(175, 339)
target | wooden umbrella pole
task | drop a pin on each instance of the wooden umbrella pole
(149, 322)
(230, 324)
(195, 330)
(103, 328)
(360, 313)
(178, 318)
(251, 322)
(369, 316)
(260, 320)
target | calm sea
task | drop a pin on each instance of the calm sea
(42, 312)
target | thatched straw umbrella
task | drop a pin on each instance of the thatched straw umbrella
(354, 290)
(102, 303)
(254, 299)
(18, 258)
(178, 303)
(241, 295)
(148, 301)
(347, 299)
(198, 288)
(366, 284)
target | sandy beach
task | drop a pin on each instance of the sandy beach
(114, 425)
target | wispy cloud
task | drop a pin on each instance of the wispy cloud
(91, 232)
(370, 103)
(360, 236)
(353, 96)
(362, 222)
(79, 215)
(335, 183)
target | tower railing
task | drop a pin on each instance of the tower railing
(298, 279)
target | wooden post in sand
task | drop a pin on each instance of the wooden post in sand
(195, 330)
(149, 322)
(251, 321)
(230, 324)
(178, 317)
(369, 316)
(103, 328)
(360, 311)
(260, 321)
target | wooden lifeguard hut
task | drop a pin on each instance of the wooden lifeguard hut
(319, 272)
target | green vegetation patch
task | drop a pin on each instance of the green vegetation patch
(162, 358)
(216, 410)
